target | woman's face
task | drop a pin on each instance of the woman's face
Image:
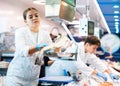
(32, 18)
(90, 48)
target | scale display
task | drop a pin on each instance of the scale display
(110, 43)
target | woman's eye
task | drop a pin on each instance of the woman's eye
(36, 15)
(30, 17)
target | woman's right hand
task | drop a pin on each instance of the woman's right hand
(63, 42)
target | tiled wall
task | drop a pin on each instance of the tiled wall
(8, 42)
(9, 39)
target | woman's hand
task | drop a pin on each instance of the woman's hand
(62, 42)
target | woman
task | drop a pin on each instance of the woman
(29, 40)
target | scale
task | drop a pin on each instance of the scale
(110, 43)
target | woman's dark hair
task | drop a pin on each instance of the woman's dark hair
(93, 40)
(28, 9)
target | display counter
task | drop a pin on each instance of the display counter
(5, 58)
(7, 55)
(56, 80)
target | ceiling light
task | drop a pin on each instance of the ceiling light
(116, 19)
(116, 12)
(39, 1)
(7, 12)
(117, 29)
(116, 6)
(115, 16)
(116, 23)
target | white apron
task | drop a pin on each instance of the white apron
(22, 70)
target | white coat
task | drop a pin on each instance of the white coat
(22, 68)
(91, 59)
